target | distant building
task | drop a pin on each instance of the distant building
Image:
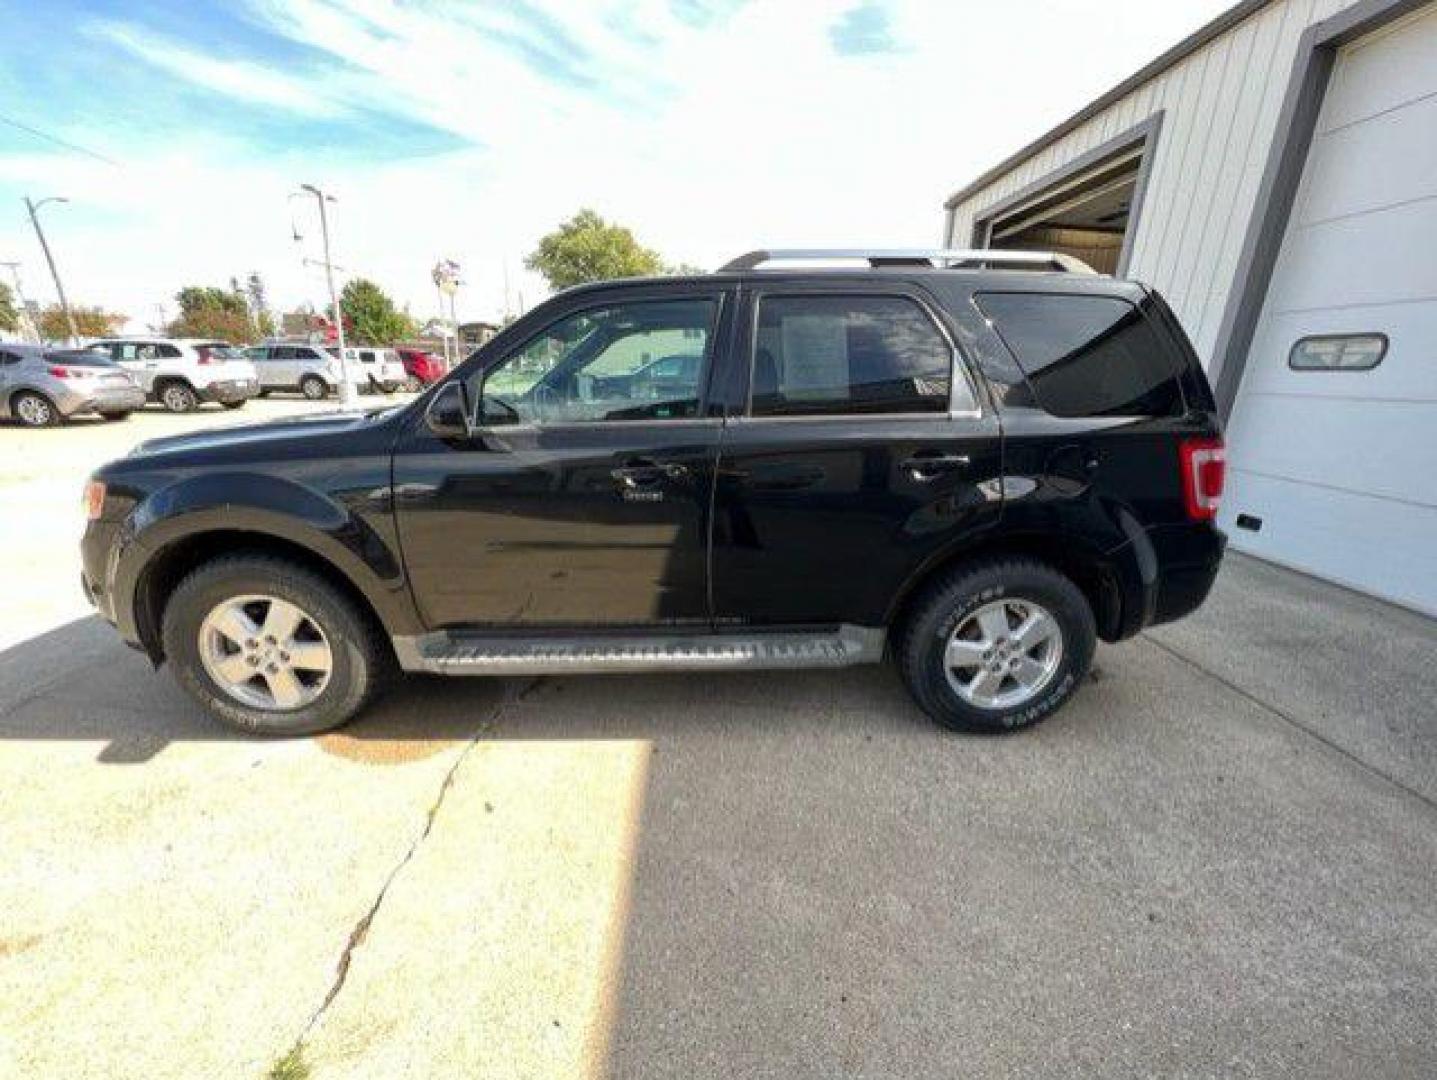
(474, 334)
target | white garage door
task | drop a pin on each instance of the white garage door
(1340, 466)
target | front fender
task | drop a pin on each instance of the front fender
(341, 531)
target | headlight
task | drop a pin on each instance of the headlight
(94, 499)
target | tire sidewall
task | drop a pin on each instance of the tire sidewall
(1067, 607)
(200, 593)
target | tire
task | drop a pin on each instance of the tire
(359, 657)
(313, 387)
(35, 410)
(233, 404)
(112, 417)
(987, 691)
(178, 397)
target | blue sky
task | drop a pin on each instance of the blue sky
(467, 130)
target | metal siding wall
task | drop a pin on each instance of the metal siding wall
(1221, 106)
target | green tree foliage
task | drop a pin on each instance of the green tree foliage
(9, 314)
(588, 248)
(370, 316)
(208, 312)
(89, 321)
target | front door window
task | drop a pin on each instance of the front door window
(635, 361)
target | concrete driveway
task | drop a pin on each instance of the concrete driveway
(1219, 860)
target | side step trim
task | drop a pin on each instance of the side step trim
(444, 653)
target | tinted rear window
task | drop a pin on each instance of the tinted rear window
(1087, 355)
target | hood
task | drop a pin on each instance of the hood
(310, 425)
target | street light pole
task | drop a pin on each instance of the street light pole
(346, 388)
(49, 258)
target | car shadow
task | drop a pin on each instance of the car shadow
(79, 682)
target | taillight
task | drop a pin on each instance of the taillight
(62, 372)
(1204, 469)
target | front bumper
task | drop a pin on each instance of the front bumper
(230, 390)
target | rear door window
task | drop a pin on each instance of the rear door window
(1087, 355)
(825, 355)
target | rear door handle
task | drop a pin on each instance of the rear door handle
(929, 466)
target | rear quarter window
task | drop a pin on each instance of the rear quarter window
(1087, 355)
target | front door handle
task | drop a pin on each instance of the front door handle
(925, 466)
(642, 472)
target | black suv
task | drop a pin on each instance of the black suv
(977, 463)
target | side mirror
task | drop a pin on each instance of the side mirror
(449, 415)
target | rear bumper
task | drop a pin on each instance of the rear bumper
(1165, 572)
(102, 399)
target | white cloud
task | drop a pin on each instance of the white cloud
(233, 78)
(707, 140)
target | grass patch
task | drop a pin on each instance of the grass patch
(290, 1067)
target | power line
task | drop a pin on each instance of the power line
(59, 142)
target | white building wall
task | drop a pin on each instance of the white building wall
(1220, 108)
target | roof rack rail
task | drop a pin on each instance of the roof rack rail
(943, 258)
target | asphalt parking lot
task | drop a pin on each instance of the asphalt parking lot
(1219, 860)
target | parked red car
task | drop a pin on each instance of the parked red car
(422, 368)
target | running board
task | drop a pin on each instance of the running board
(445, 653)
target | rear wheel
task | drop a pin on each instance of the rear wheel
(272, 648)
(997, 646)
(313, 387)
(34, 410)
(179, 397)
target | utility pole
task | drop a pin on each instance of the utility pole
(27, 325)
(346, 388)
(49, 258)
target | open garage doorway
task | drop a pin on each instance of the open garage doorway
(1089, 209)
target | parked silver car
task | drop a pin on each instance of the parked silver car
(40, 386)
(180, 373)
(290, 365)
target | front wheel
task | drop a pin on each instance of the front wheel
(313, 387)
(997, 646)
(272, 648)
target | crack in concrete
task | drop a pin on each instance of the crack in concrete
(1292, 721)
(360, 931)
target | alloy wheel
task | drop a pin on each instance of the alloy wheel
(265, 652)
(1004, 654)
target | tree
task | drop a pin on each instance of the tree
(588, 248)
(89, 322)
(370, 316)
(9, 316)
(259, 311)
(206, 311)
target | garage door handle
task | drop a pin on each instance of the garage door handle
(925, 467)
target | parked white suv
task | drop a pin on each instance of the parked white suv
(373, 368)
(288, 366)
(180, 373)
